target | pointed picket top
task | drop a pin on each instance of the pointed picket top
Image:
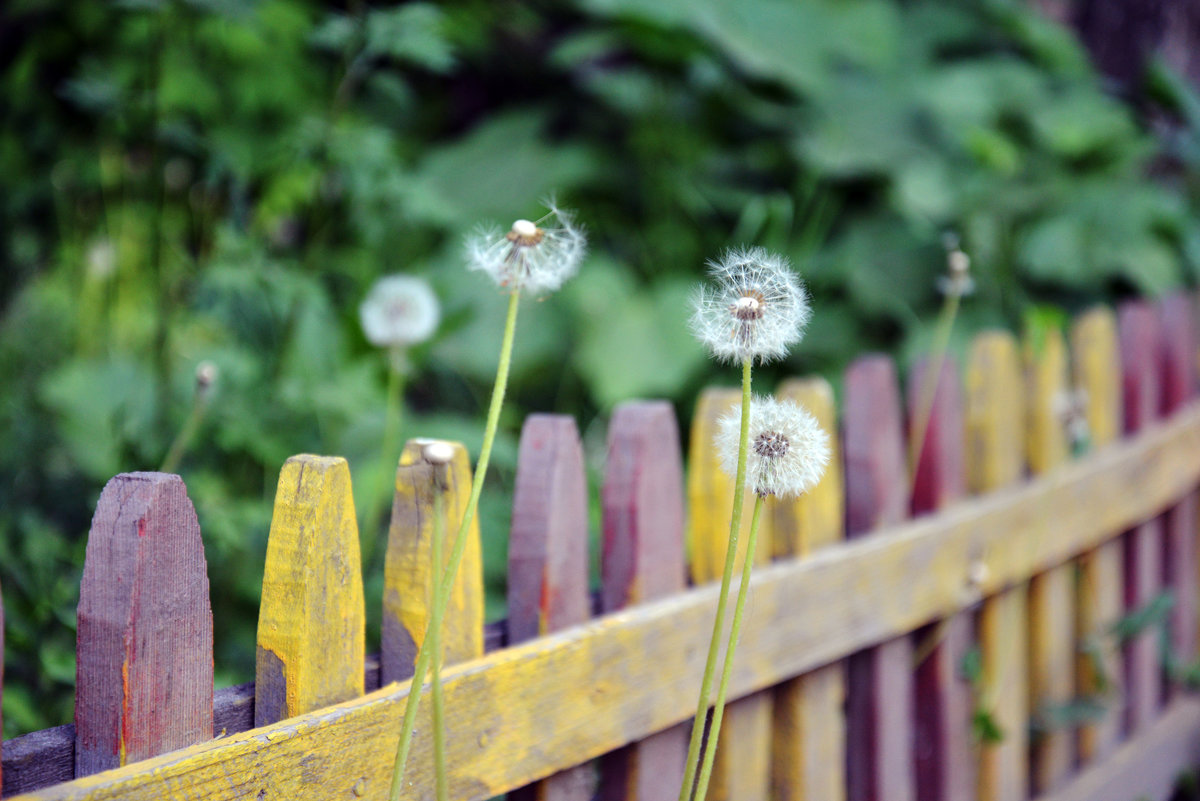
(943, 755)
(1099, 671)
(643, 559)
(144, 669)
(879, 713)
(311, 622)
(407, 572)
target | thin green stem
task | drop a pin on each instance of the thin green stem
(933, 372)
(392, 412)
(710, 752)
(434, 639)
(456, 552)
(714, 645)
(184, 438)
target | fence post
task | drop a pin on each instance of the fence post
(643, 559)
(879, 680)
(943, 757)
(548, 560)
(1052, 644)
(144, 671)
(407, 576)
(995, 457)
(1140, 366)
(742, 764)
(1099, 669)
(311, 618)
(809, 741)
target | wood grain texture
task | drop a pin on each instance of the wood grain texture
(642, 560)
(1180, 562)
(944, 761)
(738, 770)
(995, 459)
(809, 740)
(144, 666)
(407, 576)
(1052, 638)
(1100, 594)
(311, 621)
(1138, 334)
(879, 680)
(547, 560)
(807, 613)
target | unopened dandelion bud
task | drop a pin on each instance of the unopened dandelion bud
(206, 376)
(788, 449)
(957, 282)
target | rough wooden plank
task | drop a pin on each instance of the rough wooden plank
(809, 740)
(144, 669)
(547, 560)
(879, 680)
(1180, 562)
(1052, 641)
(738, 770)
(1147, 768)
(407, 576)
(1138, 333)
(944, 759)
(643, 559)
(807, 613)
(995, 458)
(1100, 594)
(311, 621)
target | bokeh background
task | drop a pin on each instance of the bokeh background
(223, 180)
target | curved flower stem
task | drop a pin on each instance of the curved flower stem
(456, 552)
(186, 434)
(933, 373)
(392, 412)
(434, 639)
(710, 752)
(735, 524)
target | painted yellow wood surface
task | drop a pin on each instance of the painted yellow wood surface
(739, 769)
(311, 621)
(995, 458)
(809, 733)
(408, 578)
(1052, 645)
(1096, 367)
(589, 689)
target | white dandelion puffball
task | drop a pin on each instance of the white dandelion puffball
(533, 257)
(399, 310)
(756, 309)
(787, 450)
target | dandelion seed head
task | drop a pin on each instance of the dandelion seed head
(756, 307)
(533, 257)
(957, 281)
(206, 376)
(788, 449)
(400, 310)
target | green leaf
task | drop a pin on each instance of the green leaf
(412, 33)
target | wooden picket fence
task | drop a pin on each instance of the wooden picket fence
(932, 658)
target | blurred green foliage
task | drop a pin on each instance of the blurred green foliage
(190, 180)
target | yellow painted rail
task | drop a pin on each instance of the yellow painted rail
(522, 713)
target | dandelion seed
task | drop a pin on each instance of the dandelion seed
(757, 309)
(534, 257)
(400, 310)
(788, 448)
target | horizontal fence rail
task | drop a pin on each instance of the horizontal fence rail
(921, 625)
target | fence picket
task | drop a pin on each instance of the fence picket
(741, 768)
(1177, 313)
(407, 576)
(943, 758)
(809, 741)
(1099, 669)
(879, 680)
(995, 458)
(643, 559)
(1140, 359)
(1052, 644)
(144, 670)
(548, 560)
(311, 621)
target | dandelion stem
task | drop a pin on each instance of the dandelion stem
(392, 412)
(434, 639)
(456, 552)
(933, 373)
(186, 434)
(710, 664)
(710, 752)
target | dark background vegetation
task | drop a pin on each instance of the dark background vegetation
(188, 180)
